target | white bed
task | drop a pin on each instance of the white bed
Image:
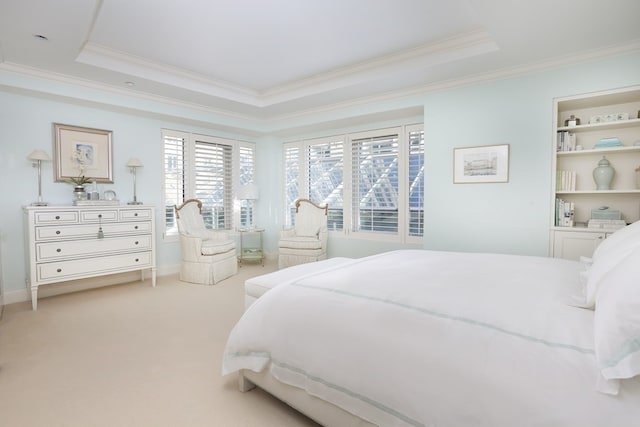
(413, 338)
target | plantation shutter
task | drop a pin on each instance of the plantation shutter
(375, 184)
(292, 175)
(416, 182)
(247, 164)
(174, 178)
(213, 183)
(325, 160)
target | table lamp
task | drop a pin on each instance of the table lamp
(37, 157)
(249, 192)
(133, 164)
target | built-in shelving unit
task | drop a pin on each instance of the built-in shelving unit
(603, 115)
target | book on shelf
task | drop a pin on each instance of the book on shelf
(566, 141)
(566, 180)
(606, 224)
(565, 212)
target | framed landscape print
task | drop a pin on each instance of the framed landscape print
(80, 151)
(488, 163)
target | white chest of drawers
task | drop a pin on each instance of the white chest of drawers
(77, 242)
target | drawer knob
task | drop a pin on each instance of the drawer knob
(136, 227)
(58, 250)
(59, 270)
(136, 242)
(99, 215)
(57, 231)
(57, 216)
(137, 259)
(135, 214)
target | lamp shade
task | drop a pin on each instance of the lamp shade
(248, 192)
(39, 155)
(134, 162)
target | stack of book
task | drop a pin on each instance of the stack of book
(564, 213)
(606, 224)
(565, 181)
(608, 143)
(566, 141)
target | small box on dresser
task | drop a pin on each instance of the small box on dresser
(77, 242)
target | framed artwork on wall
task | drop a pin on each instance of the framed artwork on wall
(80, 151)
(481, 164)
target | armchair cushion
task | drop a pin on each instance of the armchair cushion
(216, 246)
(300, 243)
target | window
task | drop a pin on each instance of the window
(373, 181)
(291, 179)
(202, 167)
(174, 190)
(325, 178)
(247, 167)
(416, 180)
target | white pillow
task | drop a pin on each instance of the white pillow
(630, 231)
(617, 320)
(608, 254)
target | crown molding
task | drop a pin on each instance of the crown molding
(448, 50)
(114, 60)
(51, 77)
(501, 74)
(275, 123)
(451, 49)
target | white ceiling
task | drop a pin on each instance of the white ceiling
(268, 59)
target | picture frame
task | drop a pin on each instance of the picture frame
(481, 164)
(80, 151)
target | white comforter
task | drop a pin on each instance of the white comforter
(436, 339)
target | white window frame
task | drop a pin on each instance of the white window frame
(403, 132)
(244, 213)
(189, 174)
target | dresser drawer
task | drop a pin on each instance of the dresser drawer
(132, 214)
(91, 247)
(91, 230)
(99, 215)
(67, 270)
(59, 217)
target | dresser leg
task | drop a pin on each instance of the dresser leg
(153, 277)
(34, 298)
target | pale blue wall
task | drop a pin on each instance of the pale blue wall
(511, 217)
(26, 123)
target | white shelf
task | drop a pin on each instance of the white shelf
(610, 150)
(601, 192)
(569, 242)
(616, 124)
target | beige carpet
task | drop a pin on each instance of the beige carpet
(130, 355)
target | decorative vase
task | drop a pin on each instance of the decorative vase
(603, 174)
(79, 193)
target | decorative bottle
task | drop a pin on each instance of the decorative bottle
(603, 174)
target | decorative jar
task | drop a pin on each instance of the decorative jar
(603, 174)
(79, 193)
(572, 121)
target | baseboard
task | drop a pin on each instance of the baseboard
(22, 295)
(12, 297)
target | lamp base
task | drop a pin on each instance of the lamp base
(134, 203)
(40, 204)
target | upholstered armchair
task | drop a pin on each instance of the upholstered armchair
(208, 256)
(307, 240)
